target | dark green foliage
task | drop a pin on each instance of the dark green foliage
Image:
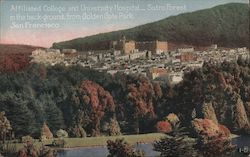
(59, 143)
(225, 86)
(176, 145)
(216, 146)
(120, 148)
(31, 97)
(20, 116)
(226, 25)
(43, 94)
(53, 115)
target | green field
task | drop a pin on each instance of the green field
(102, 141)
(93, 141)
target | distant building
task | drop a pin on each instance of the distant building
(68, 50)
(156, 47)
(47, 57)
(156, 72)
(187, 57)
(213, 47)
(137, 55)
(174, 77)
(183, 50)
(130, 46)
(125, 46)
(116, 52)
(122, 57)
(149, 54)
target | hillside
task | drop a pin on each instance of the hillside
(14, 57)
(227, 25)
(14, 48)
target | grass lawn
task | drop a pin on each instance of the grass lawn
(93, 141)
(102, 141)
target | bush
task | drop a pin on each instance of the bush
(8, 149)
(62, 134)
(46, 133)
(47, 152)
(114, 128)
(176, 144)
(59, 143)
(78, 131)
(216, 146)
(163, 127)
(120, 148)
(172, 118)
(26, 139)
(30, 151)
(225, 131)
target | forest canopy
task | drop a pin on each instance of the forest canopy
(85, 102)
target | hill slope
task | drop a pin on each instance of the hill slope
(16, 49)
(14, 57)
(226, 25)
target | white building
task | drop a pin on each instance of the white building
(183, 50)
(47, 56)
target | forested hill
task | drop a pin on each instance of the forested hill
(227, 25)
(15, 57)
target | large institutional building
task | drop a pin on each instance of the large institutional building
(130, 46)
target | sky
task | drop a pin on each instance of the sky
(43, 22)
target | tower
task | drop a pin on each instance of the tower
(123, 43)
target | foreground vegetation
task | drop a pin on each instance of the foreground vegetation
(47, 102)
(91, 141)
(84, 102)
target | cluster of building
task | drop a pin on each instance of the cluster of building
(151, 58)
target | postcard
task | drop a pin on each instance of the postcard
(124, 78)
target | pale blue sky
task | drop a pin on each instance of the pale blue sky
(69, 29)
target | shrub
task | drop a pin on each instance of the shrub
(120, 148)
(114, 128)
(46, 133)
(78, 131)
(8, 149)
(225, 131)
(175, 147)
(29, 150)
(5, 127)
(59, 143)
(47, 152)
(26, 139)
(163, 127)
(172, 118)
(207, 128)
(62, 134)
(212, 146)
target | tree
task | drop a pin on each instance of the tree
(176, 145)
(216, 146)
(45, 132)
(53, 115)
(20, 116)
(93, 102)
(120, 148)
(5, 127)
(114, 128)
(141, 96)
